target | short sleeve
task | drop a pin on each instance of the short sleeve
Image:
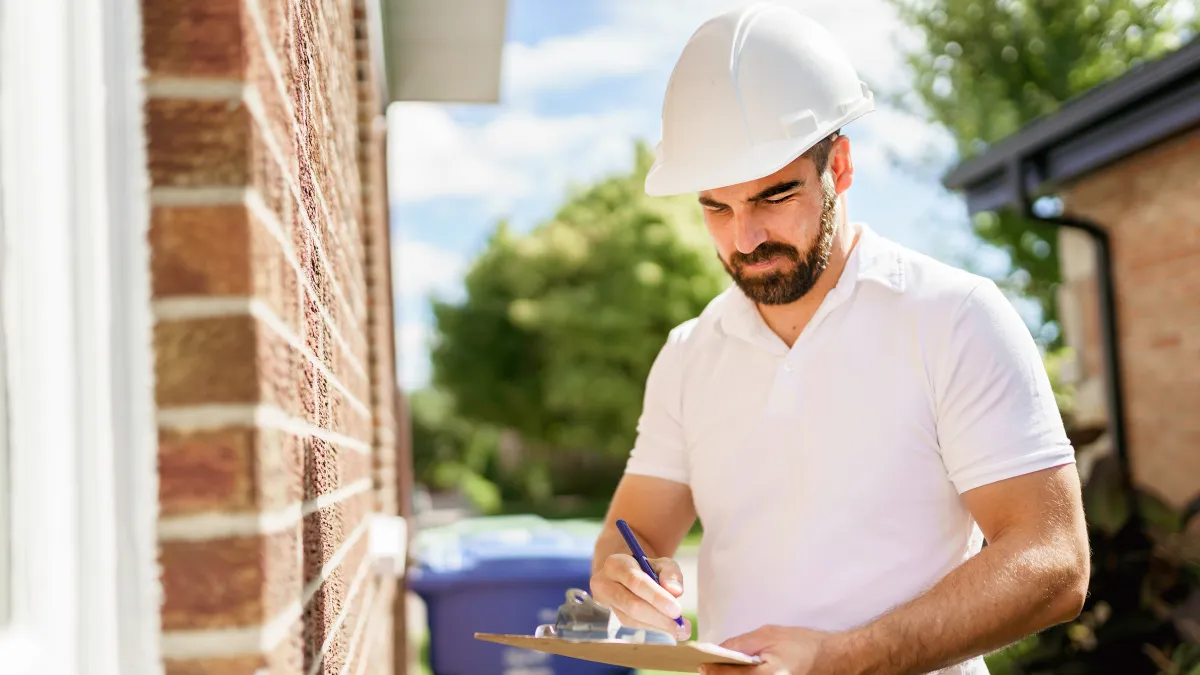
(658, 450)
(997, 417)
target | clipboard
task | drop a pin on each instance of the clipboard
(590, 631)
(685, 657)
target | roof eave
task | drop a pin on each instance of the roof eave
(1143, 107)
(446, 51)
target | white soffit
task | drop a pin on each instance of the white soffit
(445, 51)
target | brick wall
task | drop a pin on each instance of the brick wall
(275, 372)
(1151, 207)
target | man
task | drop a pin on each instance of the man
(851, 420)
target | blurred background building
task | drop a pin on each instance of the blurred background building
(1121, 161)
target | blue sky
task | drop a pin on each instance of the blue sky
(582, 80)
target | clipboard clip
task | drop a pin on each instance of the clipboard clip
(583, 619)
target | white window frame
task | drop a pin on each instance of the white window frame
(82, 442)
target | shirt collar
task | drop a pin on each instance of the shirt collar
(874, 259)
(878, 260)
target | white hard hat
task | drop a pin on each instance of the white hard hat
(754, 89)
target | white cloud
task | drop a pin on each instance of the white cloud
(644, 37)
(571, 61)
(420, 269)
(513, 156)
(433, 156)
(412, 353)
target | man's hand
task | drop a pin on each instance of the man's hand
(639, 602)
(784, 651)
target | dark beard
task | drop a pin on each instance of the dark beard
(782, 287)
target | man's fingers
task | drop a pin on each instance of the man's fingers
(753, 642)
(633, 610)
(625, 571)
(669, 574)
(684, 633)
(718, 669)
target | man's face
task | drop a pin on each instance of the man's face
(774, 235)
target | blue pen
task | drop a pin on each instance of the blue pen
(640, 556)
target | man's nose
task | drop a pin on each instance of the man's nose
(747, 233)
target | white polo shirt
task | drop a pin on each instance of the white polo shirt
(827, 476)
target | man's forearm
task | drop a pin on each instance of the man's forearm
(1009, 590)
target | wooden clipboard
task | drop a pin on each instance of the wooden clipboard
(685, 657)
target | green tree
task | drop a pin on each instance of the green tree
(451, 453)
(984, 68)
(559, 326)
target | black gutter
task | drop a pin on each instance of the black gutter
(1111, 344)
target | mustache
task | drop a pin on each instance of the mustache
(765, 251)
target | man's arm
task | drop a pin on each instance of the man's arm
(1033, 574)
(660, 512)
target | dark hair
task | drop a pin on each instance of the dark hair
(819, 153)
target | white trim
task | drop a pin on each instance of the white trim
(76, 289)
(374, 10)
(135, 435)
(91, 333)
(36, 131)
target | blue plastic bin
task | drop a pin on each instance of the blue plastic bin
(504, 575)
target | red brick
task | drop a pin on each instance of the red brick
(1148, 203)
(227, 583)
(237, 665)
(197, 143)
(207, 360)
(286, 658)
(274, 277)
(198, 38)
(206, 471)
(333, 466)
(325, 532)
(200, 250)
(324, 188)
(281, 472)
(329, 603)
(284, 375)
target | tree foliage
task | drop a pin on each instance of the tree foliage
(451, 453)
(984, 68)
(559, 326)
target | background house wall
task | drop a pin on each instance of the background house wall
(273, 335)
(1150, 204)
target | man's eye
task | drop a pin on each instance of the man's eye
(778, 200)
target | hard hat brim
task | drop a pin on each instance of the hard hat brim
(673, 178)
(667, 178)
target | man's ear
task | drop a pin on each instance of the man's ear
(841, 166)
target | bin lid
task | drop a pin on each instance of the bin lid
(511, 549)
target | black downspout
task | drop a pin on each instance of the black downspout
(1112, 359)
